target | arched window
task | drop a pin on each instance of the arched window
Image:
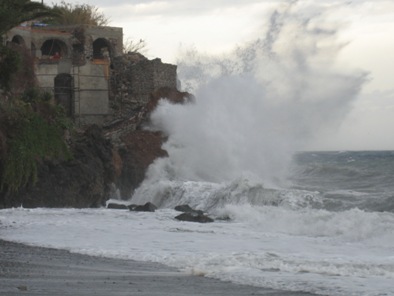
(53, 48)
(101, 48)
(17, 39)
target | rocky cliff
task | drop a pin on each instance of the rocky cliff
(105, 159)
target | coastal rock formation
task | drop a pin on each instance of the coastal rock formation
(103, 158)
(117, 206)
(81, 182)
(148, 207)
(138, 150)
(188, 209)
(194, 217)
(191, 215)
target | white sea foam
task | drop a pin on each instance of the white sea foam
(345, 253)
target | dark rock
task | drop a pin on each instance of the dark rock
(139, 150)
(188, 209)
(223, 218)
(194, 217)
(148, 207)
(119, 154)
(83, 182)
(117, 206)
(170, 94)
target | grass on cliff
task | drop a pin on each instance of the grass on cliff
(31, 130)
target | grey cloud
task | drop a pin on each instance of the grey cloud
(180, 7)
(197, 7)
(138, 9)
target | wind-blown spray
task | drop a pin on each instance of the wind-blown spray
(256, 106)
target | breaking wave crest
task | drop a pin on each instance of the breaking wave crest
(211, 197)
(289, 211)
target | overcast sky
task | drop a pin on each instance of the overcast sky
(216, 26)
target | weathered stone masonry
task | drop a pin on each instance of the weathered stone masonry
(135, 78)
(86, 70)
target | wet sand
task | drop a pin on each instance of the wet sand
(26, 270)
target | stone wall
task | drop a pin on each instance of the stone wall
(146, 76)
(134, 78)
(105, 83)
(69, 50)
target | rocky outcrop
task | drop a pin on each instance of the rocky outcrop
(170, 94)
(148, 207)
(81, 182)
(138, 150)
(194, 217)
(191, 215)
(103, 157)
(117, 206)
(135, 148)
(188, 209)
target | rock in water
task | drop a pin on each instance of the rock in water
(148, 207)
(188, 209)
(194, 217)
(117, 206)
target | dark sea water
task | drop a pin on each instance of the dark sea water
(348, 179)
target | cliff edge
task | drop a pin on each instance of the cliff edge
(107, 161)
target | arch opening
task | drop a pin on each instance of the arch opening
(17, 39)
(101, 49)
(54, 49)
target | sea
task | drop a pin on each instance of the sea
(330, 232)
(286, 217)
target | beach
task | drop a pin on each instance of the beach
(27, 270)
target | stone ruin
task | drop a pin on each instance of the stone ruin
(85, 69)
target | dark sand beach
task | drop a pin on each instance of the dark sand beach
(27, 270)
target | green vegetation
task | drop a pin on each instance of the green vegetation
(12, 14)
(33, 130)
(31, 127)
(9, 62)
(15, 12)
(78, 14)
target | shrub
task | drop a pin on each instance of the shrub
(9, 63)
(32, 135)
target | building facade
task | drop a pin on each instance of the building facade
(85, 69)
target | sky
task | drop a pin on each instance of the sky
(218, 26)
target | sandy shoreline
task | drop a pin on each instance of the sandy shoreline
(26, 270)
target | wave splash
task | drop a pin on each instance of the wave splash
(254, 108)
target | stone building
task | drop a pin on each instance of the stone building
(134, 78)
(85, 69)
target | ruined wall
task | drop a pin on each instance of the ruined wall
(114, 36)
(134, 78)
(146, 76)
(105, 83)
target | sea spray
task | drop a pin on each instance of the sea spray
(255, 107)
